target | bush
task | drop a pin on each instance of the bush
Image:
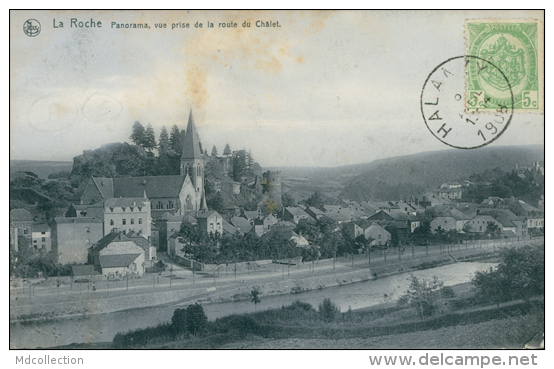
(328, 310)
(179, 321)
(196, 320)
(425, 296)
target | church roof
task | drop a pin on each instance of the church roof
(155, 186)
(191, 145)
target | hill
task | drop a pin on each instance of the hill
(41, 168)
(402, 176)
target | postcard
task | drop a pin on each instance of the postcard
(276, 180)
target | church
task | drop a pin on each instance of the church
(176, 194)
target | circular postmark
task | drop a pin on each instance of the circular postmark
(31, 27)
(444, 100)
(100, 107)
(52, 113)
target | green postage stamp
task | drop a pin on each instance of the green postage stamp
(508, 71)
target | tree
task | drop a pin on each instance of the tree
(491, 286)
(425, 296)
(137, 136)
(227, 150)
(328, 310)
(493, 230)
(255, 297)
(519, 275)
(287, 200)
(196, 320)
(175, 140)
(316, 200)
(149, 142)
(179, 321)
(214, 151)
(239, 166)
(164, 144)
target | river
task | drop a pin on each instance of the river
(103, 327)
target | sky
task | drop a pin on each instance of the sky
(323, 89)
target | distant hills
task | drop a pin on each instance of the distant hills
(384, 179)
(402, 176)
(41, 168)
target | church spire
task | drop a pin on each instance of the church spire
(191, 145)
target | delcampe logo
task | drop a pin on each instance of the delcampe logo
(31, 27)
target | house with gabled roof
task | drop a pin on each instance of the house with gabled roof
(294, 214)
(116, 255)
(479, 223)
(314, 212)
(449, 220)
(508, 220)
(241, 224)
(535, 217)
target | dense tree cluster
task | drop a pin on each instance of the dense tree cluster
(527, 185)
(519, 275)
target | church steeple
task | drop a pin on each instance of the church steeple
(191, 146)
(192, 165)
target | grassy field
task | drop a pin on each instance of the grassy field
(299, 327)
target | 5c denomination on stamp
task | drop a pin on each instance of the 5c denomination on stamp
(515, 48)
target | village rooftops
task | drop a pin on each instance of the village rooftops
(456, 214)
(527, 207)
(41, 227)
(242, 224)
(117, 260)
(106, 240)
(126, 202)
(294, 210)
(201, 214)
(228, 227)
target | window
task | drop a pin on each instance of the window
(124, 221)
(140, 220)
(170, 205)
(131, 208)
(43, 239)
(132, 220)
(123, 208)
(111, 221)
(42, 232)
(35, 241)
(87, 229)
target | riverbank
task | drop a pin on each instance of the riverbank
(269, 282)
(103, 328)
